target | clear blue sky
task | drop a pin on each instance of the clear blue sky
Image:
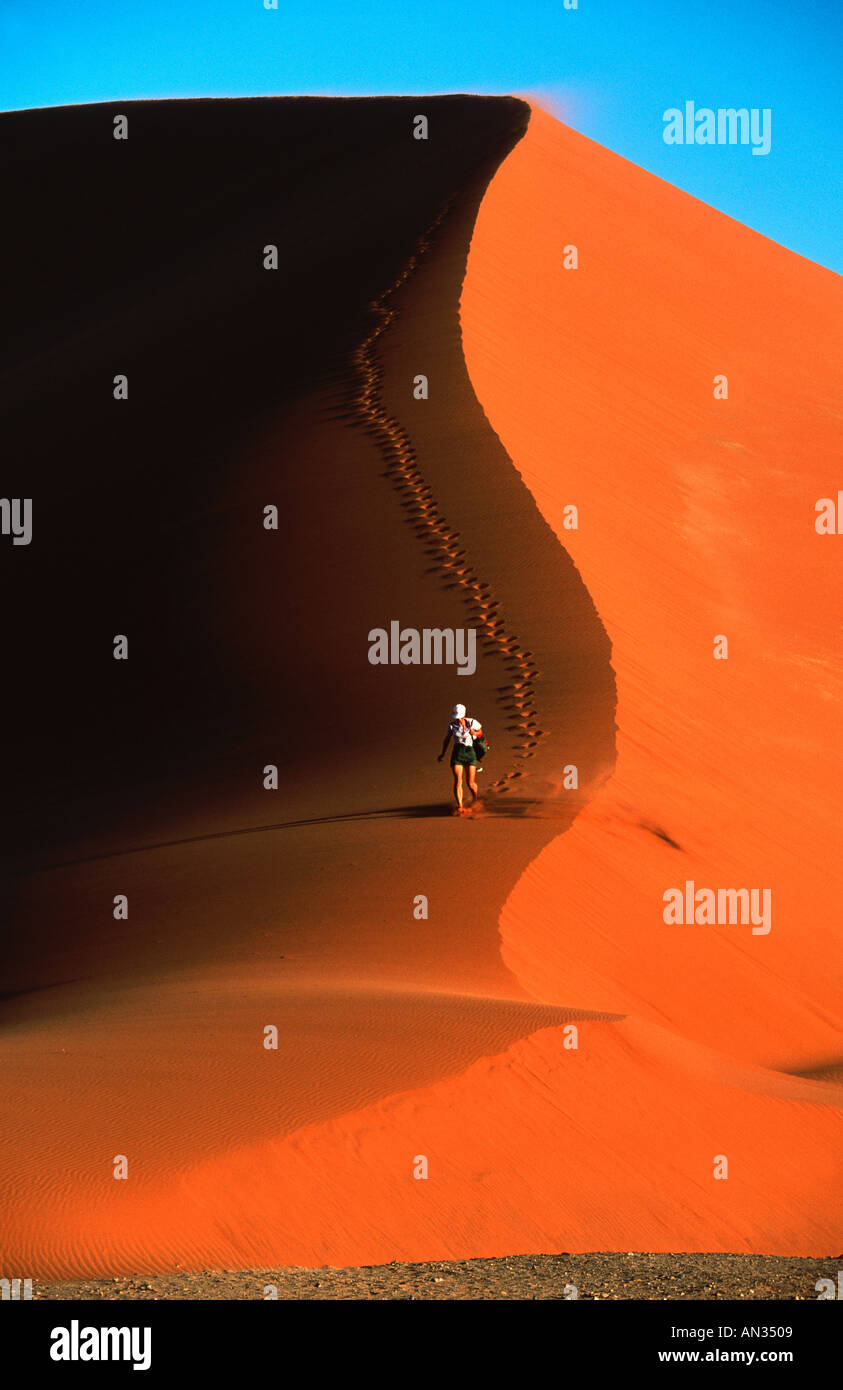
(610, 68)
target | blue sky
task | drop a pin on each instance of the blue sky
(609, 68)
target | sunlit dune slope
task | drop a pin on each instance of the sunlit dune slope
(696, 521)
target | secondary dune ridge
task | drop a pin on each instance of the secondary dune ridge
(402, 1038)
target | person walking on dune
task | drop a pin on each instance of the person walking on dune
(463, 757)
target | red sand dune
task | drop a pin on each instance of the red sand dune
(401, 1038)
(696, 519)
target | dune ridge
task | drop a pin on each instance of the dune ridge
(443, 544)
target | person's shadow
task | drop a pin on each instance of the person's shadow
(488, 806)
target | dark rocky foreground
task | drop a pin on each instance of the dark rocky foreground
(594, 1276)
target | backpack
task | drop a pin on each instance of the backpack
(481, 748)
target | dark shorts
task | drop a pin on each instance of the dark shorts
(463, 757)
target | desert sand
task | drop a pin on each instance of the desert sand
(448, 1037)
(589, 1277)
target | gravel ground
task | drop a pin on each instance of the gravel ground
(594, 1276)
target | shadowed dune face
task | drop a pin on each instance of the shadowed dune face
(146, 508)
(242, 390)
(249, 647)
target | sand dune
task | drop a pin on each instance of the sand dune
(446, 1036)
(697, 519)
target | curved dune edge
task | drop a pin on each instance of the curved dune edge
(443, 544)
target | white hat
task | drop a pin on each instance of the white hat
(459, 711)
